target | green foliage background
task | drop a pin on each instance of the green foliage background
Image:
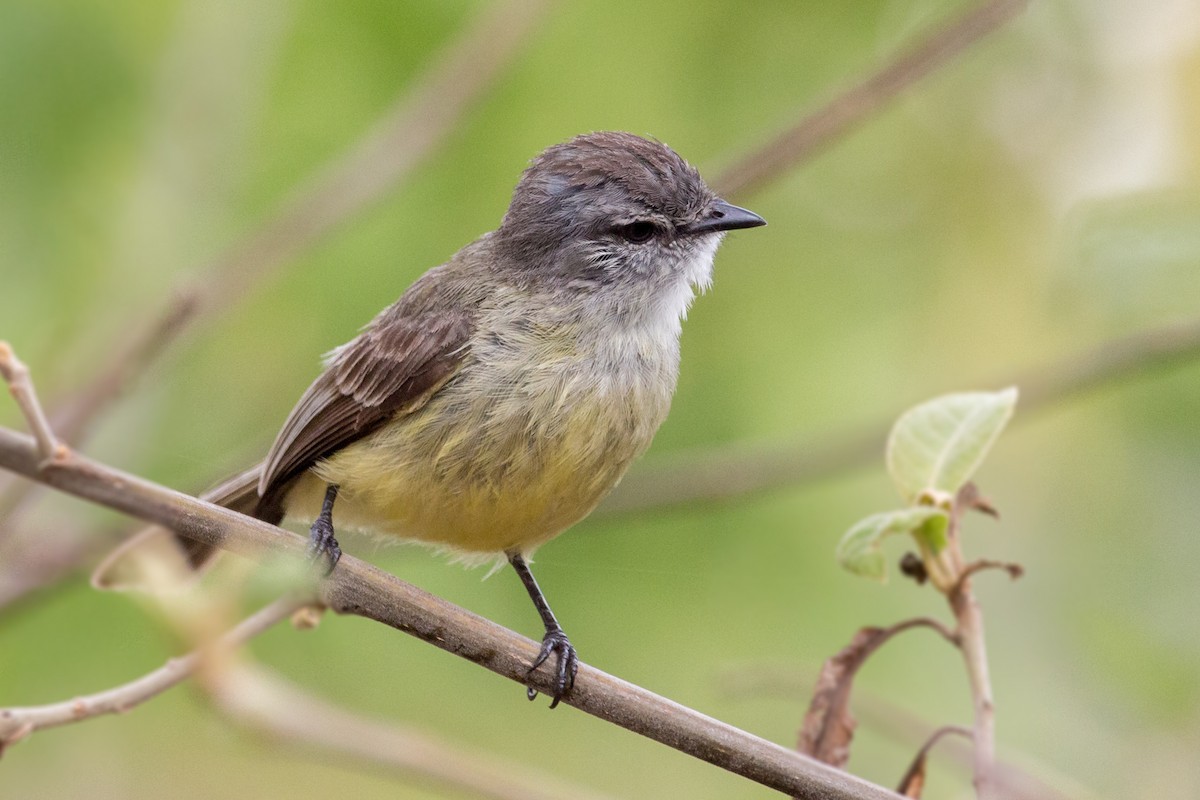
(1039, 196)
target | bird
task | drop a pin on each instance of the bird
(506, 392)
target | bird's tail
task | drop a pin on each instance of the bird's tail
(132, 565)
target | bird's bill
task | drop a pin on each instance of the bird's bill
(724, 216)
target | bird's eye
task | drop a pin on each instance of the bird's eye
(637, 232)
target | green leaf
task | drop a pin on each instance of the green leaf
(937, 446)
(932, 532)
(859, 550)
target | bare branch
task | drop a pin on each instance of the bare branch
(16, 375)
(1013, 569)
(17, 723)
(866, 98)
(727, 472)
(49, 561)
(267, 703)
(358, 588)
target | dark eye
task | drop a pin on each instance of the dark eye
(637, 232)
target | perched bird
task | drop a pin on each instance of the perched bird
(506, 392)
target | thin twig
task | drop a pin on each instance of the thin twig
(727, 472)
(925, 622)
(267, 703)
(1013, 569)
(358, 588)
(16, 375)
(866, 98)
(17, 723)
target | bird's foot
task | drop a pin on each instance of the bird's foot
(323, 550)
(557, 644)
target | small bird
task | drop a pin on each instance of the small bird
(506, 392)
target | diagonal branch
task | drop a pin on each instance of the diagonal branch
(727, 472)
(866, 98)
(359, 588)
(17, 723)
(266, 702)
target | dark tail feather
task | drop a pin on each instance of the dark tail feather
(123, 568)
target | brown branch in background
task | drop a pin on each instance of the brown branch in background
(724, 473)
(18, 723)
(267, 703)
(420, 120)
(866, 98)
(913, 782)
(52, 560)
(359, 588)
(270, 705)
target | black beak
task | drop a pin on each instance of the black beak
(724, 217)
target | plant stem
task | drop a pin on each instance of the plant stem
(974, 650)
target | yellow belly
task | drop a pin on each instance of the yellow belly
(487, 469)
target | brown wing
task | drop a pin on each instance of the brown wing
(391, 368)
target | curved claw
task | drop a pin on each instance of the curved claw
(557, 644)
(322, 546)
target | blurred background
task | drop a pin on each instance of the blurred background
(1035, 198)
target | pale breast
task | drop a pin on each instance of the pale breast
(535, 430)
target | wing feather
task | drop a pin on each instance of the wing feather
(391, 368)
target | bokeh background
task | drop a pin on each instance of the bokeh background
(1034, 199)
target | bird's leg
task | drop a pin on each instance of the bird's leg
(321, 544)
(555, 641)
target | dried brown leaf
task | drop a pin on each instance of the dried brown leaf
(829, 726)
(913, 782)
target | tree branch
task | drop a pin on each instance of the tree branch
(267, 703)
(359, 588)
(852, 107)
(17, 723)
(14, 373)
(727, 472)
(264, 701)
